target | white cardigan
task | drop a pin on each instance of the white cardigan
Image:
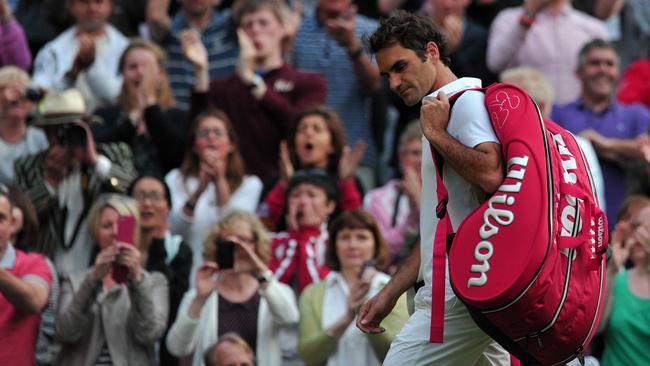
(194, 336)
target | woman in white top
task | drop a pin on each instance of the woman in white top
(244, 299)
(210, 181)
(328, 309)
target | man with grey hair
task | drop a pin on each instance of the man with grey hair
(230, 350)
(611, 127)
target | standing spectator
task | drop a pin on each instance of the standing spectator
(12, 40)
(466, 39)
(328, 309)
(611, 127)
(214, 29)
(317, 141)
(230, 349)
(329, 42)
(85, 56)
(624, 320)
(245, 299)
(103, 320)
(63, 181)
(16, 138)
(298, 253)
(25, 280)
(165, 252)
(272, 91)
(536, 34)
(145, 116)
(396, 205)
(210, 181)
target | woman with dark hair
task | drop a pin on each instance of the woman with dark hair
(328, 309)
(317, 141)
(145, 116)
(210, 181)
(116, 311)
(25, 235)
(165, 252)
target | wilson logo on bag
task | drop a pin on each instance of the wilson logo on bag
(529, 262)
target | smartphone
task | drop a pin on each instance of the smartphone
(367, 264)
(125, 233)
(225, 254)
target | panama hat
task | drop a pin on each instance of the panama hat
(58, 108)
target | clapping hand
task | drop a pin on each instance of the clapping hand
(286, 166)
(350, 160)
(193, 48)
(246, 61)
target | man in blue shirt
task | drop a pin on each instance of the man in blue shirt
(611, 127)
(217, 32)
(329, 42)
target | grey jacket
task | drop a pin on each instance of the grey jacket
(130, 318)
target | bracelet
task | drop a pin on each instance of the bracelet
(356, 53)
(189, 205)
(266, 276)
(527, 19)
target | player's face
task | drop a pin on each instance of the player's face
(408, 75)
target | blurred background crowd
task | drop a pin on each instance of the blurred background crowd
(221, 182)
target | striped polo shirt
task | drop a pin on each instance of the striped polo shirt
(219, 39)
(315, 50)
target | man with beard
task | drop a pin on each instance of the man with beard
(612, 128)
(85, 56)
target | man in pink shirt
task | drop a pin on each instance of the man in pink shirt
(546, 35)
(25, 280)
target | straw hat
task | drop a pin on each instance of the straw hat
(58, 108)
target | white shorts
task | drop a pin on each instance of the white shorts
(465, 344)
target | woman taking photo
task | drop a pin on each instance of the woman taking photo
(328, 309)
(115, 312)
(244, 299)
(210, 181)
(316, 142)
(145, 116)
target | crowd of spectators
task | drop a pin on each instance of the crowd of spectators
(213, 182)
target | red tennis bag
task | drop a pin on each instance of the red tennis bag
(529, 263)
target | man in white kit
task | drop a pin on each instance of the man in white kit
(411, 53)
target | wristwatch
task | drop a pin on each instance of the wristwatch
(255, 82)
(266, 276)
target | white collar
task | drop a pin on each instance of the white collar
(8, 260)
(458, 85)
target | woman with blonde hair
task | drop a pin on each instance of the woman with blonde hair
(145, 116)
(115, 312)
(235, 292)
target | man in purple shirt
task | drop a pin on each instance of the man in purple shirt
(612, 128)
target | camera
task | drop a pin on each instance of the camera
(34, 94)
(70, 134)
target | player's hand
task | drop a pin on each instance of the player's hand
(434, 116)
(374, 311)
